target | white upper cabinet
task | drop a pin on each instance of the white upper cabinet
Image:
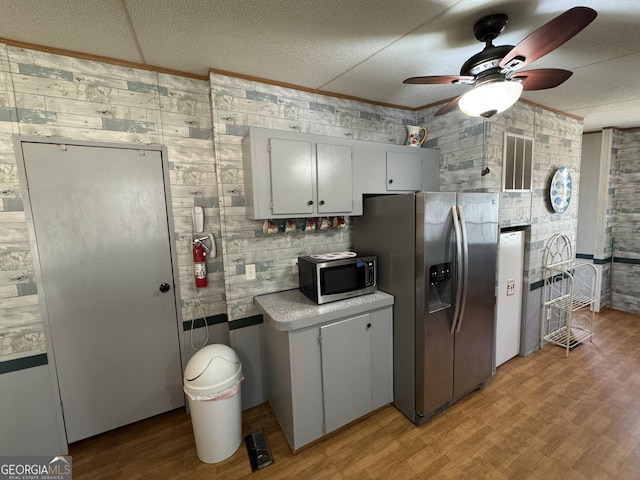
(292, 165)
(335, 178)
(295, 175)
(380, 168)
(404, 171)
(289, 175)
(309, 179)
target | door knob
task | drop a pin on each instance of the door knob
(164, 287)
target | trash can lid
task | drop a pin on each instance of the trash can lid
(212, 369)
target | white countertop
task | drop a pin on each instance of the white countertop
(291, 310)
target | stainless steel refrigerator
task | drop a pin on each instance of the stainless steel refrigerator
(437, 256)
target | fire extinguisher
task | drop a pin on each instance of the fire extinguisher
(199, 264)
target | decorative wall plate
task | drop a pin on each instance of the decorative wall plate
(560, 190)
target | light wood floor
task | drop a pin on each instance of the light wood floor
(540, 417)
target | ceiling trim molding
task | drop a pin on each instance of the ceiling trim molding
(169, 71)
(611, 127)
(544, 107)
(523, 100)
(252, 78)
(101, 59)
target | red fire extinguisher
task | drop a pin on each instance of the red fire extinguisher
(199, 264)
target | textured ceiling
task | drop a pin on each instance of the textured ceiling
(361, 48)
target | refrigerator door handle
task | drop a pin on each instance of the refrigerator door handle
(465, 268)
(459, 271)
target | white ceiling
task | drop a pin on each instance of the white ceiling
(361, 48)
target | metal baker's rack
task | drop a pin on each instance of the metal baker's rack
(568, 296)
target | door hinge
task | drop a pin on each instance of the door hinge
(319, 339)
(324, 427)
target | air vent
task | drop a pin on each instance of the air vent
(518, 161)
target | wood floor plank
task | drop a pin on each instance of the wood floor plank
(541, 417)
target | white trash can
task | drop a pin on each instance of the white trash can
(212, 384)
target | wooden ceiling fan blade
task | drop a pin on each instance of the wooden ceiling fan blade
(541, 78)
(440, 80)
(452, 105)
(548, 37)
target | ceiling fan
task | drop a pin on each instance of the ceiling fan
(495, 71)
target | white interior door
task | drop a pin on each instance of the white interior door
(509, 298)
(102, 235)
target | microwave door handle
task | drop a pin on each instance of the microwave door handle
(458, 235)
(465, 268)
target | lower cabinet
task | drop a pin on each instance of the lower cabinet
(322, 377)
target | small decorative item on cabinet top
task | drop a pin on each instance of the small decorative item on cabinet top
(416, 135)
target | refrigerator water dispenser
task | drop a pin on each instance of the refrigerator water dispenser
(439, 287)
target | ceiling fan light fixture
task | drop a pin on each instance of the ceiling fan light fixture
(489, 98)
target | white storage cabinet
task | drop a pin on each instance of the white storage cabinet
(292, 175)
(326, 375)
(380, 168)
(296, 175)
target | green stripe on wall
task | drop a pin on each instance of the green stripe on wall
(596, 261)
(632, 261)
(222, 318)
(23, 363)
(245, 322)
(199, 322)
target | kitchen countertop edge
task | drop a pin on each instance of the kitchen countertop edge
(291, 310)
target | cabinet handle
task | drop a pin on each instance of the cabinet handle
(321, 202)
(368, 325)
(391, 180)
(310, 202)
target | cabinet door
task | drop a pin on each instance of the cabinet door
(291, 177)
(346, 370)
(404, 171)
(334, 173)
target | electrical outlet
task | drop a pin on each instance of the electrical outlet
(294, 265)
(250, 271)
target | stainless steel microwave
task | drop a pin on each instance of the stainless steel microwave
(326, 280)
